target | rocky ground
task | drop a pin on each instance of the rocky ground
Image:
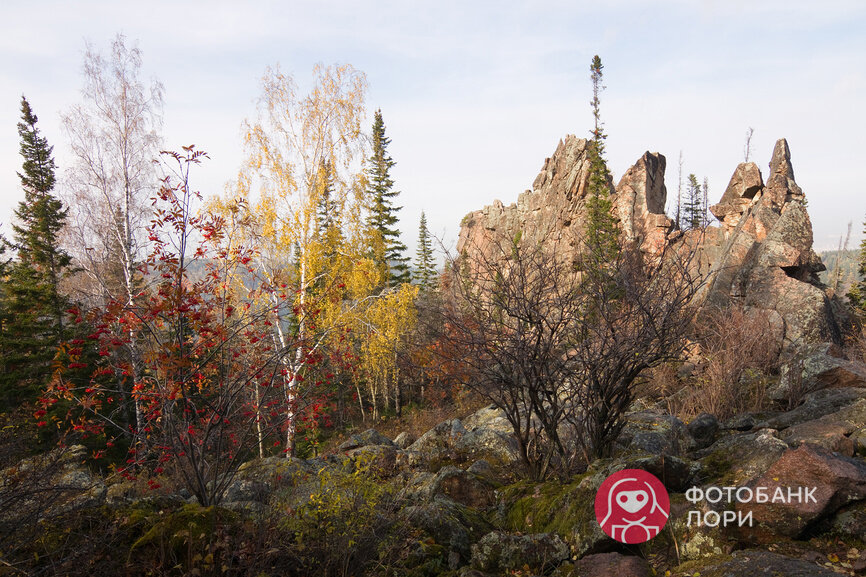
(457, 496)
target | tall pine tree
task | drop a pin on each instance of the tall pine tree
(34, 328)
(387, 247)
(602, 233)
(425, 266)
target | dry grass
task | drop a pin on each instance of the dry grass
(737, 351)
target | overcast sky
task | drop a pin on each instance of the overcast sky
(475, 94)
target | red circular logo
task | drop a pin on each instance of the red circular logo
(632, 506)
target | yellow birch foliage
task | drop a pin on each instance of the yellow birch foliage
(383, 328)
(329, 279)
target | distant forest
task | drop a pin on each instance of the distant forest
(841, 265)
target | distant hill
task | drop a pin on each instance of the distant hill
(843, 263)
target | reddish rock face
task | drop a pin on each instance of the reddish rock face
(760, 256)
(832, 480)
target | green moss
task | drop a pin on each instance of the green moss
(551, 507)
(717, 465)
(190, 522)
(699, 566)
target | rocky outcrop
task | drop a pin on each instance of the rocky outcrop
(640, 203)
(760, 255)
(765, 258)
(824, 481)
(552, 212)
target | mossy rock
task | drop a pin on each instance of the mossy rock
(191, 522)
(448, 523)
(736, 459)
(565, 509)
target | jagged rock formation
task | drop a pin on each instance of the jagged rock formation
(765, 258)
(760, 256)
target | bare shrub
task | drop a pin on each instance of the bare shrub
(738, 350)
(560, 350)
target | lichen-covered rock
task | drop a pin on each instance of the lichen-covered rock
(403, 440)
(489, 417)
(755, 563)
(365, 439)
(849, 521)
(464, 487)
(488, 443)
(256, 480)
(819, 404)
(247, 490)
(822, 432)
(439, 439)
(498, 551)
(654, 433)
(379, 459)
(566, 509)
(703, 429)
(820, 367)
(486, 435)
(458, 485)
(738, 458)
(450, 524)
(831, 480)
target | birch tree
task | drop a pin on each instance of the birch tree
(280, 192)
(114, 139)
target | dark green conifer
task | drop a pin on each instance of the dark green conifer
(387, 248)
(34, 328)
(327, 210)
(693, 210)
(602, 232)
(425, 266)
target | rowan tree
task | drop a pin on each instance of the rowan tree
(210, 388)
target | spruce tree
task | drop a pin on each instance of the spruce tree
(387, 248)
(327, 210)
(602, 233)
(34, 328)
(693, 211)
(425, 266)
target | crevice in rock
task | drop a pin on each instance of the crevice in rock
(797, 272)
